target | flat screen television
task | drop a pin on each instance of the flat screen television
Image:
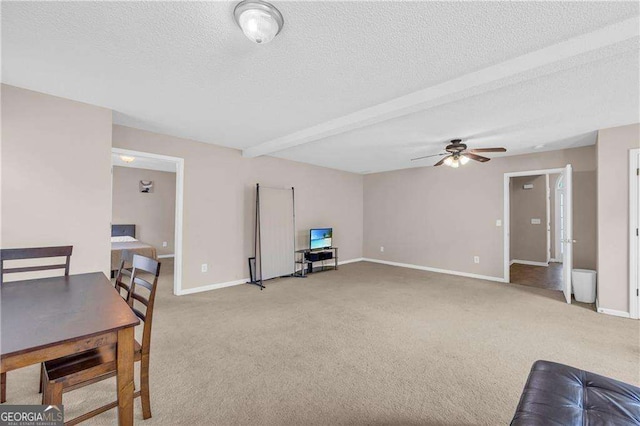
(320, 238)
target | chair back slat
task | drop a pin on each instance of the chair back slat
(34, 268)
(34, 253)
(142, 265)
(144, 283)
(123, 286)
(139, 314)
(140, 299)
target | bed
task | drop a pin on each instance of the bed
(123, 238)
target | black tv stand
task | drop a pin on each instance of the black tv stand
(307, 257)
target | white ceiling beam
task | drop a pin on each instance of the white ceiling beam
(422, 99)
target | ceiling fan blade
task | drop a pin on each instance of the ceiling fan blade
(439, 163)
(479, 158)
(427, 156)
(489, 150)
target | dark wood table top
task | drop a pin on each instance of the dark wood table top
(44, 312)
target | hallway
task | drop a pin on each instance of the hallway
(549, 278)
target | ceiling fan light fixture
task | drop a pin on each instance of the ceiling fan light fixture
(259, 21)
(455, 163)
(448, 161)
(464, 159)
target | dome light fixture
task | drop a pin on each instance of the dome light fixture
(127, 158)
(260, 21)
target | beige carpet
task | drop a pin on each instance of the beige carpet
(368, 344)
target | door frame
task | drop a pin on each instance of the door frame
(506, 212)
(634, 239)
(179, 162)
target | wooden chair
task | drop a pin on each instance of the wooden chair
(34, 253)
(124, 273)
(25, 254)
(73, 372)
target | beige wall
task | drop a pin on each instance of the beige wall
(153, 213)
(528, 241)
(441, 217)
(585, 224)
(56, 185)
(613, 215)
(219, 203)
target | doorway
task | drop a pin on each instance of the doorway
(528, 223)
(531, 222)
(147, 205)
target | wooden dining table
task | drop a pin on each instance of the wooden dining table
(48, 318)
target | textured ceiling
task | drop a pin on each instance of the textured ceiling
(185, 69)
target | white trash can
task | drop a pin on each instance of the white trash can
(584, 285)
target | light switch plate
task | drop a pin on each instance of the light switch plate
(535, 221)
(164, 244)
(498, 222)
(204, 267)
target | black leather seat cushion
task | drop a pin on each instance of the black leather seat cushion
(556, 394)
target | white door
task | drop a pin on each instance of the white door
(637, 239)
(559, 220)
(567, 241)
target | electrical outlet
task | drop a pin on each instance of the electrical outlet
(204, 267)
(164, 244)
(381, 248)
(476, 259)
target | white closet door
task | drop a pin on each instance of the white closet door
(276, 232)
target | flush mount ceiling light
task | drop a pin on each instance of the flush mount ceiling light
(260, 21)
(127, 158)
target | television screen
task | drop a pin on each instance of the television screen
(320, 238)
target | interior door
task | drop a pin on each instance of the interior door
(567, 242)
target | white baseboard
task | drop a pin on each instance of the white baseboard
(165, 256)
(212, 287)
(554, 260)
(437, 270)
(613, 312)
(528, 262)
(344, 262)
(242, 281)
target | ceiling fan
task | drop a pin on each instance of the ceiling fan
(457, 153)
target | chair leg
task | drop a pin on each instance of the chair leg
(3, 387)
(144, 387)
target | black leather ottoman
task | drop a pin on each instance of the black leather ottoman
(556, 394)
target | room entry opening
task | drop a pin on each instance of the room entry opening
(147, 202)
(538, 229)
